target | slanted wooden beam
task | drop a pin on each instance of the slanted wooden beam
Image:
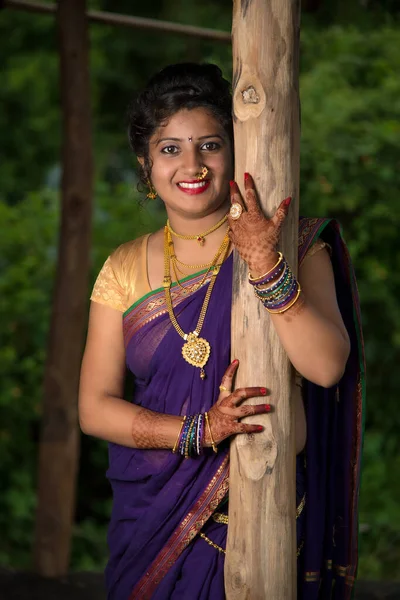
(109, 18)
(261, 551)
(58, 451)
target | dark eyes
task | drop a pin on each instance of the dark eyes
(210, 146)
(207, 147)
(169, 150)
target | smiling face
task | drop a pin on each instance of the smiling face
(178, 151)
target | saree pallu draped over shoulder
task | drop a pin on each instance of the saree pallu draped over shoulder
(164, 537)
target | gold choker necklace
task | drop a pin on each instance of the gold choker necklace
(200, 237)
(196, 350)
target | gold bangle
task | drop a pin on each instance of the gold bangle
(191, 426)
(268, 272)
(179, 435)
(211, 437)
(279, 312)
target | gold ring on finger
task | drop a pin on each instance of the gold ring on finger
(236, 210)
(222, 388)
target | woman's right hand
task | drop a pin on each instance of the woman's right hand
(225, 414)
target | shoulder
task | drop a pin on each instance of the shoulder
(312, 234)
(128, 253)
(125, 266)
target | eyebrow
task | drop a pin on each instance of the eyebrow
(203, 137)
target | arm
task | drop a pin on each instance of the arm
(102, 411)
(104, 414)
(312, 331)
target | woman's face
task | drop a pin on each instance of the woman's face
(190, 140)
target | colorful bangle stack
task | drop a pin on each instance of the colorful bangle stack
(284, 290)
(189, 442)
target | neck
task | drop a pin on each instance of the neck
(191, 251)
(187, 225)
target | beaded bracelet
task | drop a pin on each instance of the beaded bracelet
(283, 277)
(287, 306)
(281, 298)
(179, 435)
(200, 435)
(275, 291)
(278, 294)
(271, 274)
(188, 444)
(184, 433)
(285, 301)
(283, 293)
(191, 436)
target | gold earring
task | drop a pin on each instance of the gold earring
(152, 194)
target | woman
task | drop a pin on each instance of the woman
(161, 305)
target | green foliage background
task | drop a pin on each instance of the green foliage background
(350, 89)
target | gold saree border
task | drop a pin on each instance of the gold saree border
(185, 532)
(153, 305)
(340, 572)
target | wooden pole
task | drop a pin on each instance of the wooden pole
(58, 452)
(109, 18)
(261, 552)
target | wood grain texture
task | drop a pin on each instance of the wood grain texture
(58, 449)
(261, 551)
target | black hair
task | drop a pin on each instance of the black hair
(177, 87)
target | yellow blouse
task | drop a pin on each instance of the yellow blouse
(124, 279)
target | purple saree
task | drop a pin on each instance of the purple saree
(163, 504)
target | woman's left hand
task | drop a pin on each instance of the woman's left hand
(255, 236)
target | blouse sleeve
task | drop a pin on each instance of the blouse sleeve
(107, 289)
(316, 247)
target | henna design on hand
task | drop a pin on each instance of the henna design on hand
(225, 414)
(147, 427)
(254, 235)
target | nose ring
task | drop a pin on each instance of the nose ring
(202, 174)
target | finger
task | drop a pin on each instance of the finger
(251, 199)
(245, 428)
(281, 212)
(244, 393)
(227, 380)
(251, 409)
(235, 194)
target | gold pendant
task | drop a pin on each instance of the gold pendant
(196, 351)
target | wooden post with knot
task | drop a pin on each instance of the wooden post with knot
(261, 548)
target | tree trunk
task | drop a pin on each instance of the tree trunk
(59, 443)
(261, 551)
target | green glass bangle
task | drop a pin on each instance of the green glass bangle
(267, 293)
(277, 296)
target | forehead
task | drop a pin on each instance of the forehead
(189, 123)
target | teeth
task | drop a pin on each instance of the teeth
(192, 186)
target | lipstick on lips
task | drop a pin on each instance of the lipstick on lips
(194, 187)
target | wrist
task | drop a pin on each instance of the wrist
(262, 267)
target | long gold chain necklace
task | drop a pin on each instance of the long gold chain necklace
(196, 350)
(201, 237)
(175, 261)
(187, 266)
